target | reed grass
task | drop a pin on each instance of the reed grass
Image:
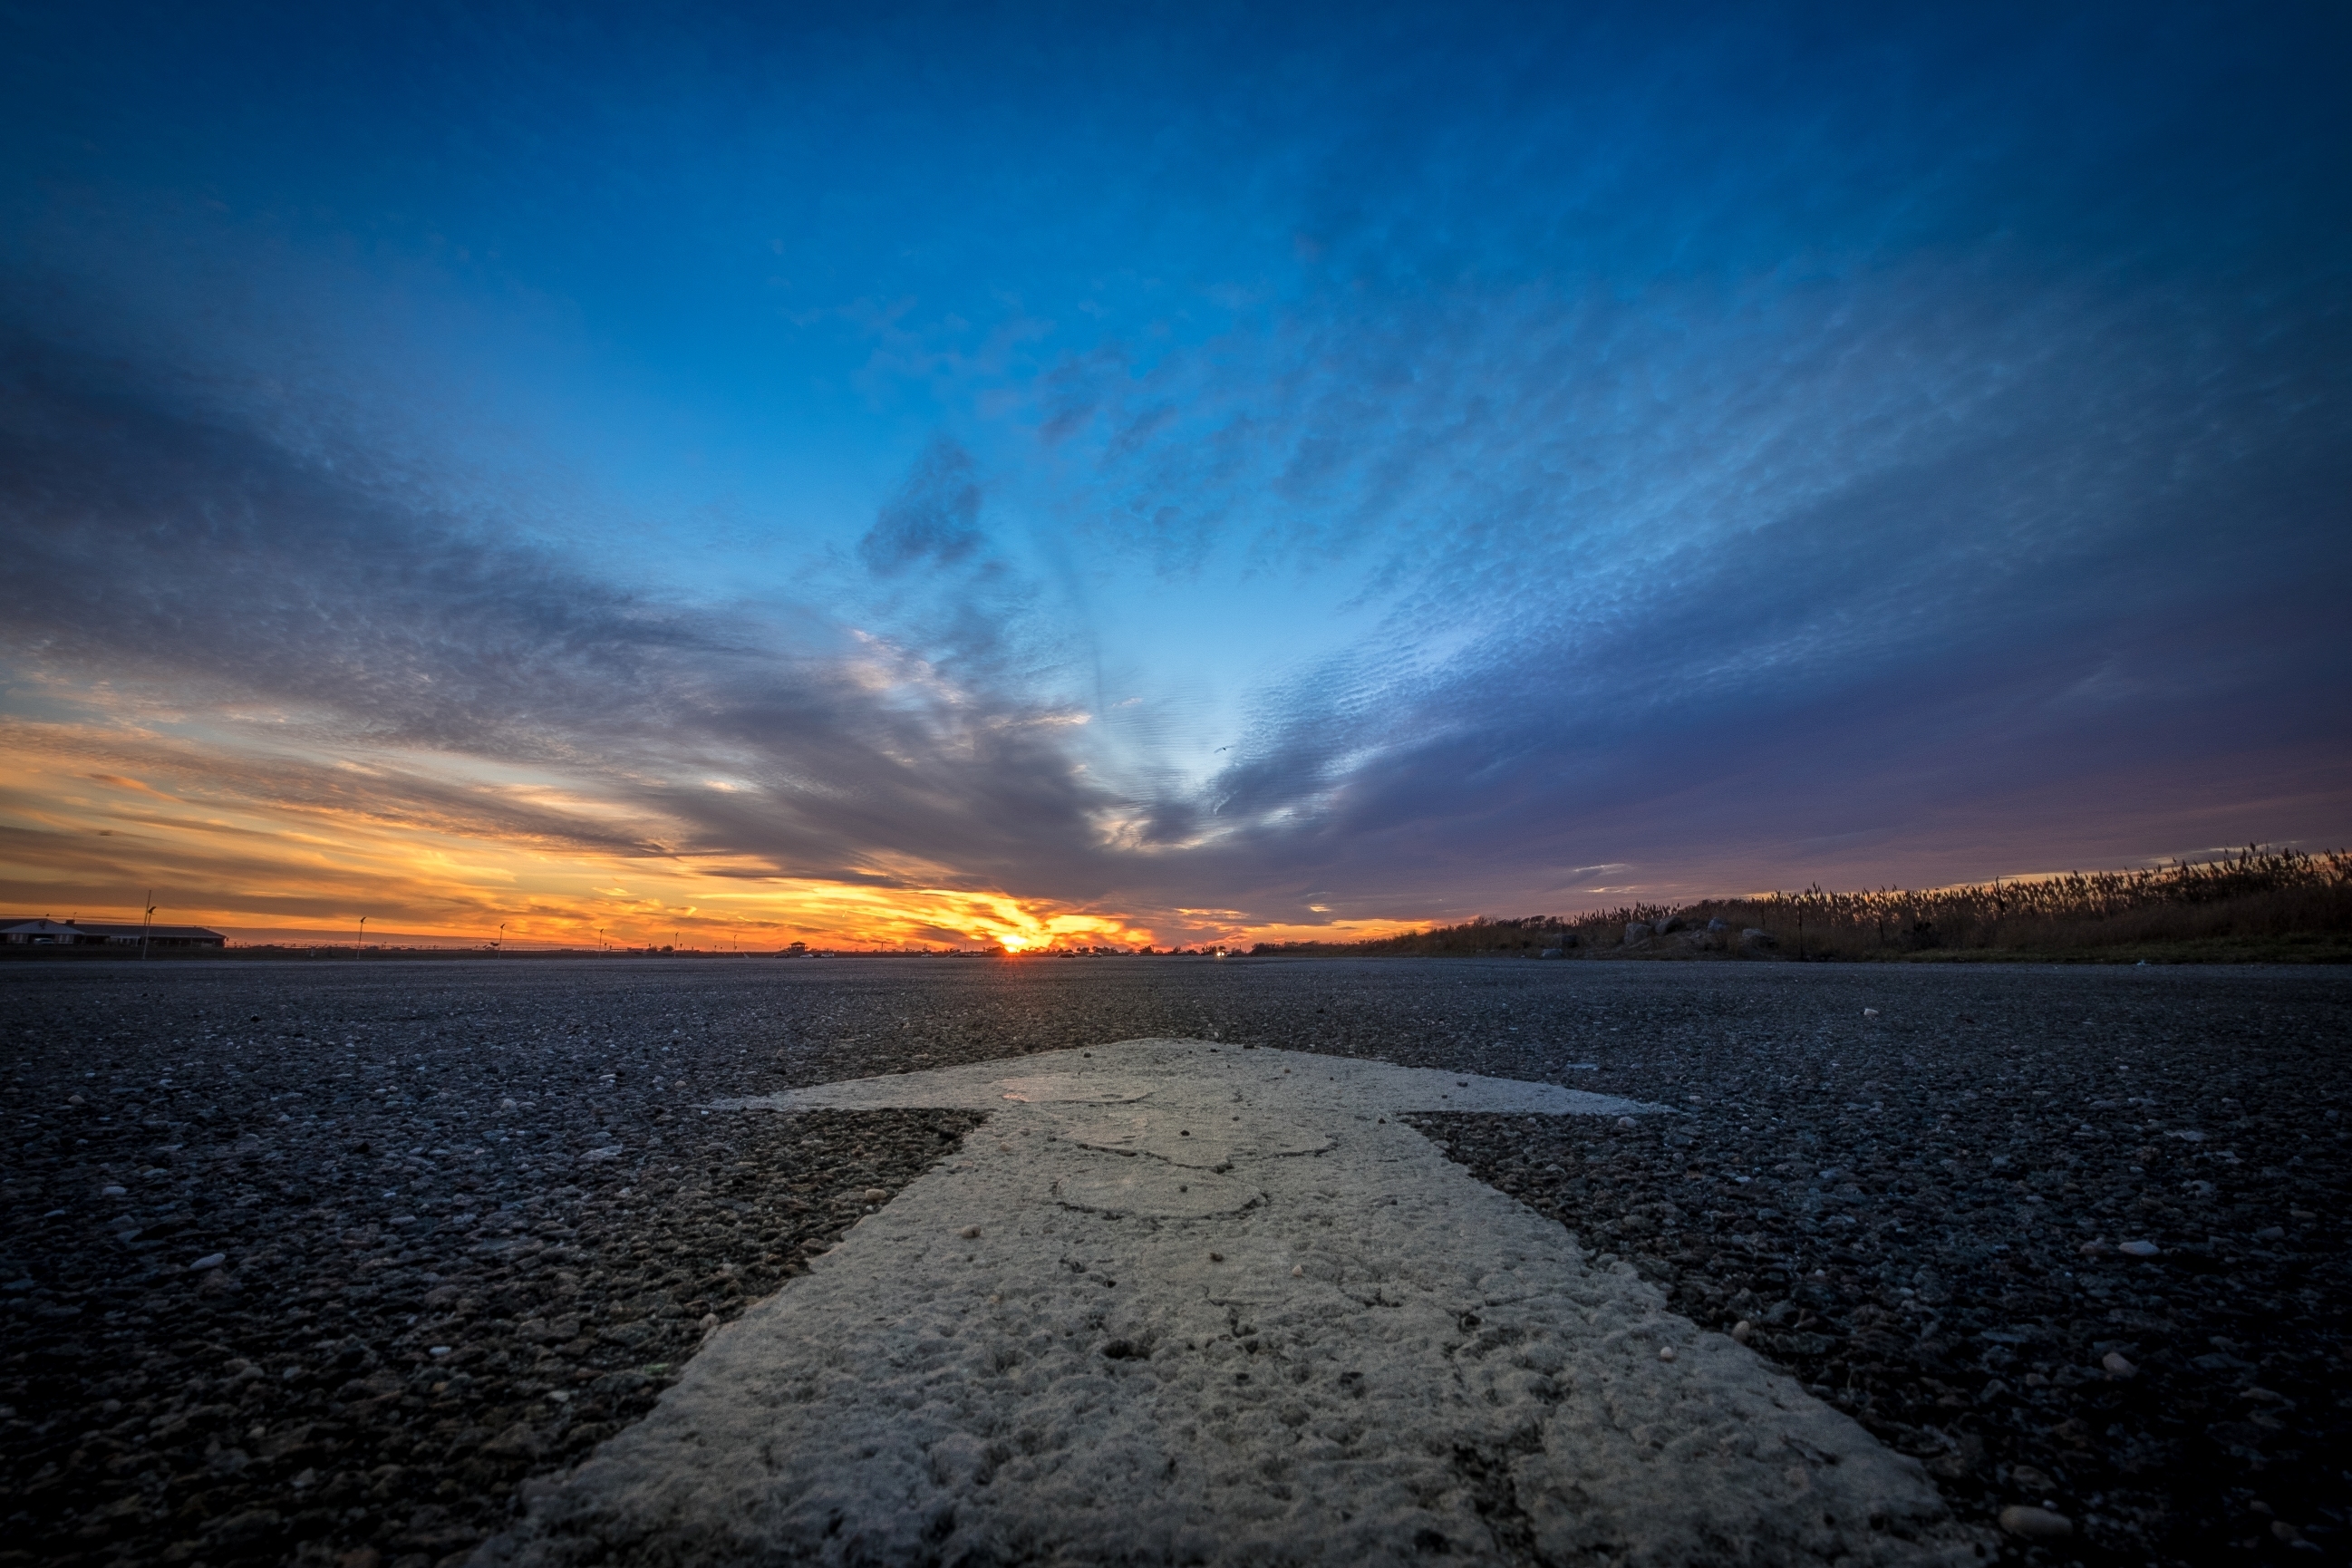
(2259, 903)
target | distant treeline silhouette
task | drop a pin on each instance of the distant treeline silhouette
(2259, 901)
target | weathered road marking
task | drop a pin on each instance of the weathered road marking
(1221, 1308)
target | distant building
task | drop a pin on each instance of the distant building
(22, 932)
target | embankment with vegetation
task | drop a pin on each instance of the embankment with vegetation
(2258, 906)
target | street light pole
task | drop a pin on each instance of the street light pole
(147, 931)
(360, 951)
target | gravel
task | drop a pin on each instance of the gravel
(390, 1237)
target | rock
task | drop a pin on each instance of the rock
(1756, 940)
(2118, 1367)
(1627, 1122)
(1550, 953)
(1636, 932)
(2139, 1249)
(876, 1195)
(111, 1191)
(518, 1442)
(2026, 1478)
(1669, 925)
(1870, 1012)
(2035, 1523)
(1718, 925)
(209, 1260)
(1743, 1331)
(970, 1233)
(1666, 1352)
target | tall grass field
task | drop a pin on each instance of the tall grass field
(2260, 905)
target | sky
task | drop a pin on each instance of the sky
(973, 475)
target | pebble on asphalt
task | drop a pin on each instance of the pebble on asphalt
(2035, 1523)
(2031, 1481)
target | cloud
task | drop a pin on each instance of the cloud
(934, 518)
(178, 565)
(167, 543)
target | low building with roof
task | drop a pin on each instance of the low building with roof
(24, 931)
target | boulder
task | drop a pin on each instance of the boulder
(1669, 925)
(1636, 932)
(1550, 953)
(1717, 925)
(1757, 941)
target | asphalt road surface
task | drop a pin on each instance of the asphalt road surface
(323, 1262)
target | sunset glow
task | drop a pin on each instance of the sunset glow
(309, 862)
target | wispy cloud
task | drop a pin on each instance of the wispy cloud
(934, 518)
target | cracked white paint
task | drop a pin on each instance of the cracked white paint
(1221, 1306)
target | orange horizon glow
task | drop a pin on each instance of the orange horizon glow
(295, 846)
(299, 849)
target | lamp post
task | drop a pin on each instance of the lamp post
(501, 945)
(360, 950)
(147, 931)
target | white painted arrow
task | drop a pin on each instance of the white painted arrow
(1184, 1302)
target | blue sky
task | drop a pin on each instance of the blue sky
(1288, 465)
